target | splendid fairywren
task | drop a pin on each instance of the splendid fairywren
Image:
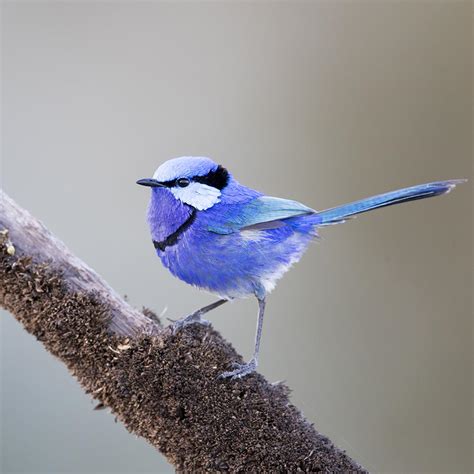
(218, 235)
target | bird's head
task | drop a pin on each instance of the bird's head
(194, 180)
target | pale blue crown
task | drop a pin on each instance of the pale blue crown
(184, 167)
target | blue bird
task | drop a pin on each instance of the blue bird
(218, 235)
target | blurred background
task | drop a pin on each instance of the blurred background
(322, 102)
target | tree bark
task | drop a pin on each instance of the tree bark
(163, 387)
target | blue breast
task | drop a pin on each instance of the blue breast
(166, 214)
(234, 265)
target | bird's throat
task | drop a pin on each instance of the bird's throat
(168, 218)
(174, 237)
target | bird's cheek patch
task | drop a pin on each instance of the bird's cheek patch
(200, 196)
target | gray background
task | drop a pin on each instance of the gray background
(321, 102)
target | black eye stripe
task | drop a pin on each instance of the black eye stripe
(217, 178)
(170, 184)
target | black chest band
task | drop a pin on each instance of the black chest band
(172, 239)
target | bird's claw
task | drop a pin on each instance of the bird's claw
(240, 370)
(187, 321)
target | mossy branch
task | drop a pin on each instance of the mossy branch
(163, 387)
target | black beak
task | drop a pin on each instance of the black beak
(150, 182)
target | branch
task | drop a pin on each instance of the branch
(163, 387)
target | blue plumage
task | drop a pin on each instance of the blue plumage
(216, 234)
(339, 214)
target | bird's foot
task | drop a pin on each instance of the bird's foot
(194, 318)
(240, 370)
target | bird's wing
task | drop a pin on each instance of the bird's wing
(264, 212)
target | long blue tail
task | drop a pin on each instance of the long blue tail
(339, 214)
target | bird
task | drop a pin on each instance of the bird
(235, 242)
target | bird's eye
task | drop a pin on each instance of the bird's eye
(182, 182)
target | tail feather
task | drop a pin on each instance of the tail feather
(340, 214)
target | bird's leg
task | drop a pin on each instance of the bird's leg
(196, 317)
(241, 370)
